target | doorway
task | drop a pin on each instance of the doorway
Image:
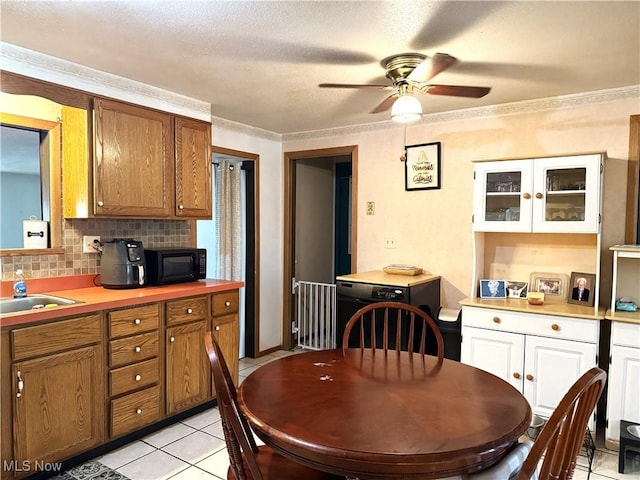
(322, 236)
(249, 295)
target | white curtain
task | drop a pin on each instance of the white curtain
(228, 218)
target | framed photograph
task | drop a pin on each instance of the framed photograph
(551, 284)
(516, 289)
(422, 166)
(582, 288)
(493, 289)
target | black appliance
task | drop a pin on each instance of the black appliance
(175, 265)
(122, 264)
(351, 296)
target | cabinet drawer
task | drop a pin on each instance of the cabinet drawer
(225, 302)
(133, 411)
(56, 337)
(625, 334)
(133, 320)
(532, 324)
(133, 377)
(133, 349)
(186, 310)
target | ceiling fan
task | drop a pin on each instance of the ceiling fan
(410, 72)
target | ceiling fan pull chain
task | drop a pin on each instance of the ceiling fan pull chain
(403, 157)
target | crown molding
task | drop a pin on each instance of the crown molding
(526, 106)
(55, 70)
(244, 129)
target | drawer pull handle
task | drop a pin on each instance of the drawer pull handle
(172, 339)
(526, 196)
(538, 195)
(227, 304)
(529, 377)
(139, 411)
(100, 203)
(138, 378)
(217, 328)
(516, 375)
(137, 321)
(496, 319)
(138, 349)
(189, 311)
(181, 207)
(555, 327)
(20, 385)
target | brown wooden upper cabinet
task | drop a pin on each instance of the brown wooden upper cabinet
(146, 164)
(193, 168)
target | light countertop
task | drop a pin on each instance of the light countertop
(382, 278)
(561, 309)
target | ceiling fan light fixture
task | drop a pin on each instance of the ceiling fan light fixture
(406, 108)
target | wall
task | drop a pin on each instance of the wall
(433, 227)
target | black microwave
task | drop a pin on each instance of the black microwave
(175, 265)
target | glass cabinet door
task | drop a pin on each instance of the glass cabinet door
(501, 196)
(567, 194)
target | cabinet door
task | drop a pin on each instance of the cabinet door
(551, 367)
(193, 168)
(133, 158)
(227, 333)
(567, 194)
(623, 390)
(499, 353)
(59, 411)
(187, 367)
(502, 196)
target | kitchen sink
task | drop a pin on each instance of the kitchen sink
(33, 302)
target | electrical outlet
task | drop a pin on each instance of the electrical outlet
(88, 245)
(371, 208)
(390, 243)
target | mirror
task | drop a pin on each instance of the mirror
(30, 175)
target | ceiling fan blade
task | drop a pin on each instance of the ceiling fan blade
(385, 104)
(456, 90)
(354, 85)
(431, 67)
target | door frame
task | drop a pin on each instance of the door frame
(256, 301)
(289, 223)
(633, 182)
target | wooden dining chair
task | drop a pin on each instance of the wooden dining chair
(393, 326)
(563, 435)
(559, 441)
(249, 461)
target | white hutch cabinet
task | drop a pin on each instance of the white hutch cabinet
(535, 215)
(557, 194)
(623, 393)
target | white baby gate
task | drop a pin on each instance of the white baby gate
(316, 315)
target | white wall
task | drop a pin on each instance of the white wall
(433, 227)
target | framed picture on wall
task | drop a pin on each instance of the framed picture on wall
(582, 288)
(422, 166)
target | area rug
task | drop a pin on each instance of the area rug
(90, 470)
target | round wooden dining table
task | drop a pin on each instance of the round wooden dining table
(383, 416)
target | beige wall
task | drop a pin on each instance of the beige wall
(433, 227)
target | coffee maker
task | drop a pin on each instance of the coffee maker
(123, 264)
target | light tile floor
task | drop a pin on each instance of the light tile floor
(194, 449)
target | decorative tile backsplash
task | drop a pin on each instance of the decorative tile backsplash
(152, 233)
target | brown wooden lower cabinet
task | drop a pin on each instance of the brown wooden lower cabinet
(58, 399)
(71, 385)
(187, 372)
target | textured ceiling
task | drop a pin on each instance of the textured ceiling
(260, 63)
